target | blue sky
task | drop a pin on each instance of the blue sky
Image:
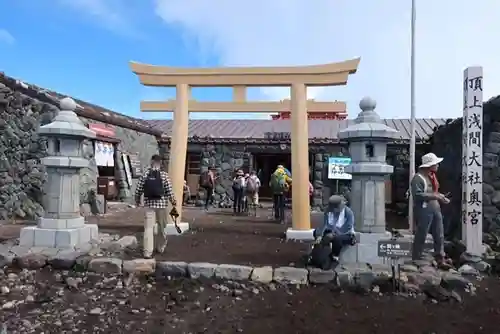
(82, 47)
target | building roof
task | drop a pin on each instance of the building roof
(318, 129)
(85, 109)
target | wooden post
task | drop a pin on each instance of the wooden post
(239, 93)
(177, 163)
(301, 215)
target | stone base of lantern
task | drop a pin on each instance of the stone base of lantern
(365, 250)
(171, 230)
(59, 233)
(300, 235)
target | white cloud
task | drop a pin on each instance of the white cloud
(451, 35)
(6, 37)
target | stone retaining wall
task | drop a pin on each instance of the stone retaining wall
(23, 108)
(447, 143)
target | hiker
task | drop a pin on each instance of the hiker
(280, 184)
(156, 187)
(238, 191)
(338, 226)
(186, 192)
(252, 189)
(244, 198)
(207, 182)
(426, 206)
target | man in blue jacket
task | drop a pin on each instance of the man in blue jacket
(338, 225)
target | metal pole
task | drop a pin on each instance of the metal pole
(412, 117)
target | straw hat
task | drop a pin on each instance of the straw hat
(429, 160)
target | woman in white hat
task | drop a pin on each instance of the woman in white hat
(427, 209)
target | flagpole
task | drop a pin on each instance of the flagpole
(412, 117)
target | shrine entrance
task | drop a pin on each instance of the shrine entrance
(239, 78)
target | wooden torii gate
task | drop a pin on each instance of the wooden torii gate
(239, 78)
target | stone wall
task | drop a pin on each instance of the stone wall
(23, 108)
(226, 159)
(447, 143)
(229, 157)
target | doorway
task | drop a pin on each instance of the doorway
(265, 165)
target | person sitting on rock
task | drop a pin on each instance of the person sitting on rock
(427, 199)
(338, 226)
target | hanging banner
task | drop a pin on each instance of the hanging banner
(336, 167)
(104, 154)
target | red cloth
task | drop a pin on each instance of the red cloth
(434, 181)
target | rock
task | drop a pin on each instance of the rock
(409, 268)
(8, 305)
(365, 279)
(318, 276)
(421, 279)
(169, 268)
(481, 266)
(65, 259)
(290, 275)
(262, 274)
(96, 311)
(201, 269)
(139, 266)
(455, 281)
(6, 258)
(344, 279)
(31, 261)
(469, 258)
(107, 265)
(468, 270)
(82, 262)
(233, 272)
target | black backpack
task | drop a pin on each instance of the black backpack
(153, 185)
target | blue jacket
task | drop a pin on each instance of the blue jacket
(345, 229)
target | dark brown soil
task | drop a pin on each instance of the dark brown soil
(182, 306)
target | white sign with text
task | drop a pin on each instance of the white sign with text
(472, 160)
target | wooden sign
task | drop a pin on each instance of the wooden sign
(277, 135)
(135, 165)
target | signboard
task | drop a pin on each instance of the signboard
(102, 130)
(135, 165)
(394, 248)
(399, 248)
(472, 160)
(336, 167)
(277, 135)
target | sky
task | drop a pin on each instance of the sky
(82, 48)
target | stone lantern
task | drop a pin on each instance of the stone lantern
(62, 225)
(368, 138)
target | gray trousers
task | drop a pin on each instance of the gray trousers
(428, 219)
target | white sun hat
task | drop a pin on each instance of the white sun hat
(429, 160)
